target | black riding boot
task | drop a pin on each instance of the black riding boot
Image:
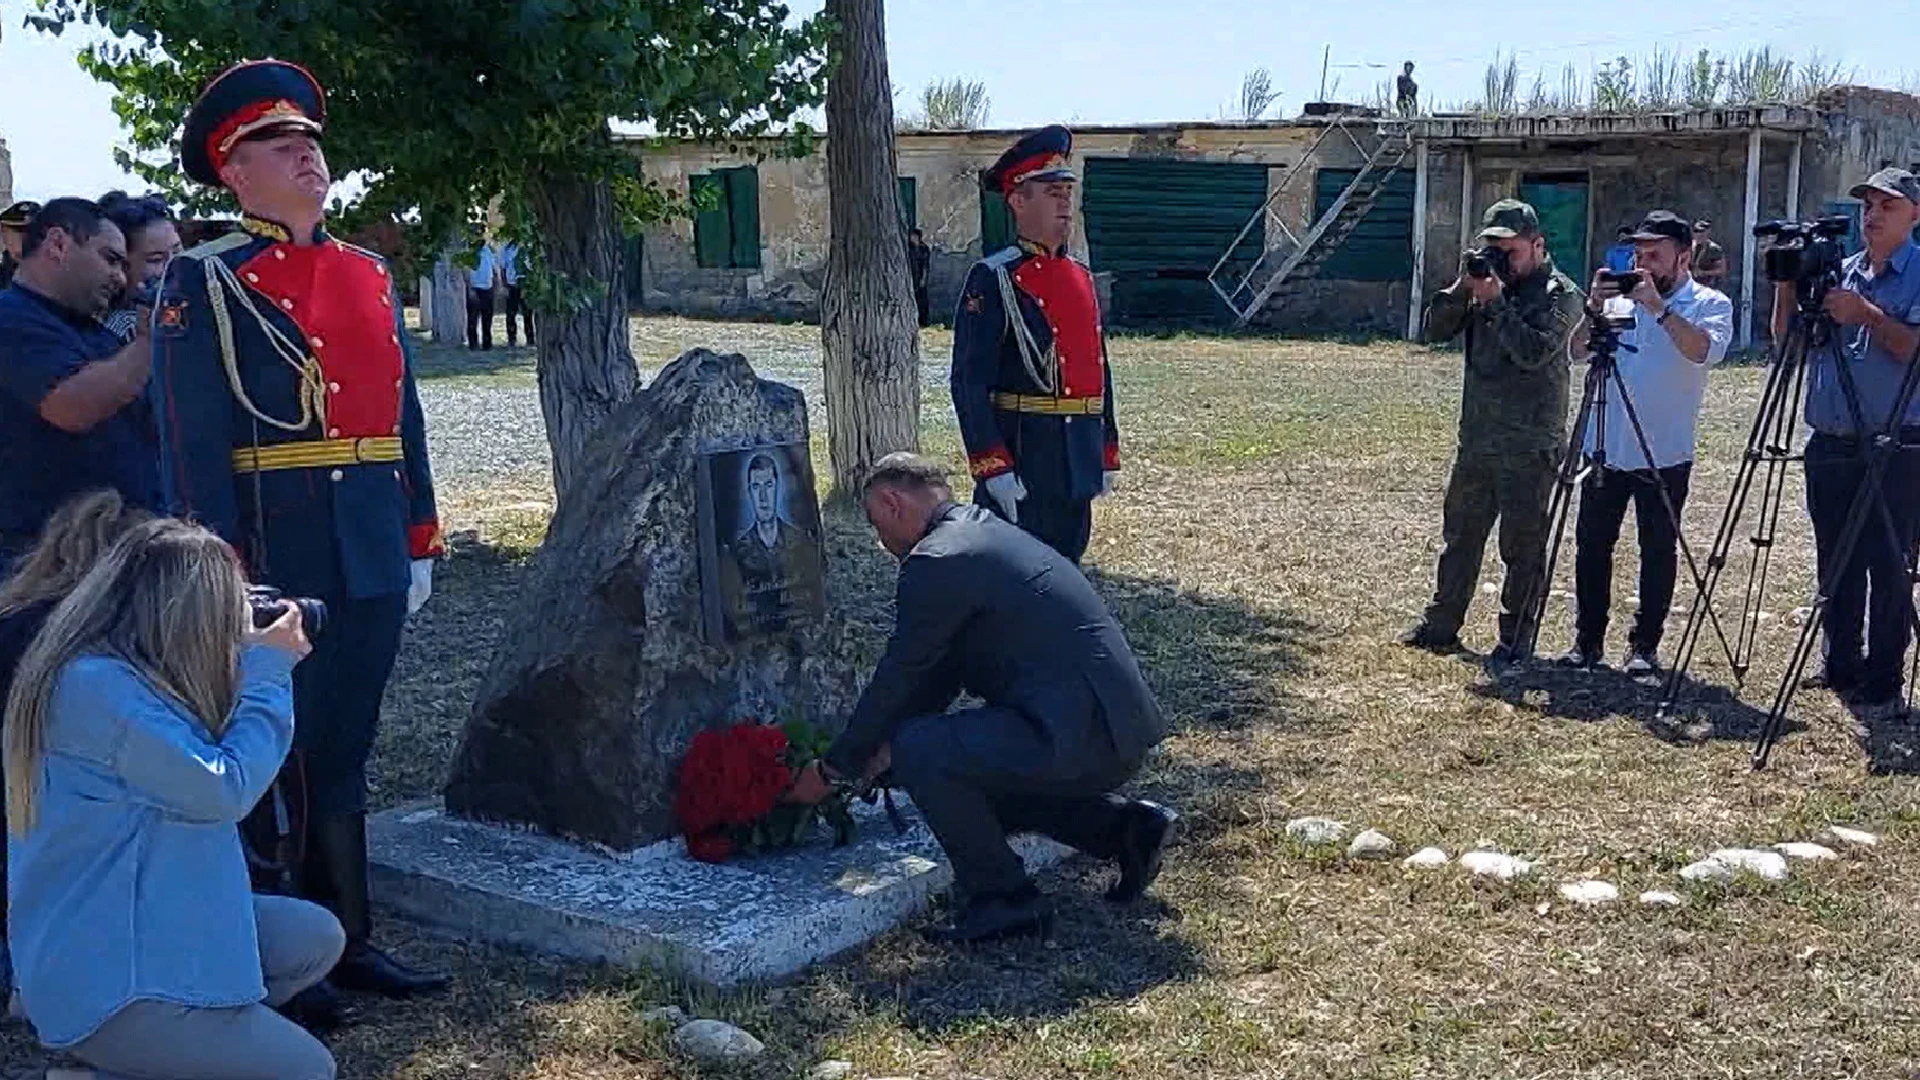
(336, 878)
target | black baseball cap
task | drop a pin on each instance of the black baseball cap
(1664, 225)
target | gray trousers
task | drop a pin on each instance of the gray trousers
(981, 774)
(157, 1040)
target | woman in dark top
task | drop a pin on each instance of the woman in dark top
(75, 537)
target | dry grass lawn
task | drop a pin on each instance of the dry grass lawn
(1276, 527)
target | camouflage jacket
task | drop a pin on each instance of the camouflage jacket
(1515, 392)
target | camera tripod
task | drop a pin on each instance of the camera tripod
(1769, 451)
(1603, 377)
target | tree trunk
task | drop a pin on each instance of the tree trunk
(586, 368)
(449, 305)
(868, 323)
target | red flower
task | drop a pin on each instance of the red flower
(731, 777)
(713, 847)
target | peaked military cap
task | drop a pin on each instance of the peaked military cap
(19, 215)
(251, 100)
(1039, 155)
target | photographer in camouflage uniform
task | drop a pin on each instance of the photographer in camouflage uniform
(1513, 415)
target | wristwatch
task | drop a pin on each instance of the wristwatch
(1661, 319)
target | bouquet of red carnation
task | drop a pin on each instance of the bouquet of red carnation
(730, 786)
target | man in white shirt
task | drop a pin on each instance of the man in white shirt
(480, 298)
(1680, 329)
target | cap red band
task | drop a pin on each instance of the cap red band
(259, 115)
(1019, 172)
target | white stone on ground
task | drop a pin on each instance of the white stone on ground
(831, 1070)
(1725, 864)
(1589, 893)
(1316, 830)
(1807, 852)
(714, 1042)
(1428, 858)
(1656, 898)
(1852, 837)
(1372, 844)
(1494, 864)
(664, 1014)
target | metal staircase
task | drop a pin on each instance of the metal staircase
(1383, 145)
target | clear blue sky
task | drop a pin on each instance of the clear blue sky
(1118, 61)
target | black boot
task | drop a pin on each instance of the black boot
(1145, 834)
(337, 879)
(320, 1009)
(994, 916)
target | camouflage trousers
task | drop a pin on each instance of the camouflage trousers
(1513, 488)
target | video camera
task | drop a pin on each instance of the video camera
(1486, 262)
(268, 604)
(1806, 253)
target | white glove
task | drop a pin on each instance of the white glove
(1007, 490)
(422, 586)
(1107, 480)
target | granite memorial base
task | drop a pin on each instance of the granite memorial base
(751, 920)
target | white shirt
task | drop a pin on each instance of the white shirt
(1667, 388)
(482, 276)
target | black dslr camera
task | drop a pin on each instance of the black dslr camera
(267, 605)
(1806, 253)
(1488, 261)
(1626, 280)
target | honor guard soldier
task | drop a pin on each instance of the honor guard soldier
(1030, 378)
(13, 237)
(289, 423)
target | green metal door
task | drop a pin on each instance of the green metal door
(996, 222)
(1159, 226)
(1561, 201)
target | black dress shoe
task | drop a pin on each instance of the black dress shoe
(320, 1009)
(368, 970)
(992, 917)
(1147, 831)
(1425, 637)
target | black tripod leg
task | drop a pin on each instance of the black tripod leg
(1526, 634)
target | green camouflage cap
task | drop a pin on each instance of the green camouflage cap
(1509, 217)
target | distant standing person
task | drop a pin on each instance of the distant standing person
(1709, 258)
(480, 300)
(1406, 92)
(515, 302)
(919, 263)
(1620, 255)
(13, 237)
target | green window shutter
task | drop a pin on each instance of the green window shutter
(996, 222)
(710, 231)
(908, 192)
(1380, 248)
(743, 207)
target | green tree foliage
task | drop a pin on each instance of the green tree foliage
(445, 106)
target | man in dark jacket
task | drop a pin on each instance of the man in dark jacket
(987, 608)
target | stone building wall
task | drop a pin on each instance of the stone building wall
(6, 174)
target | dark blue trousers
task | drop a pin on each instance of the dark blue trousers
(1835, 475)
(336, 698)
(1065, 525)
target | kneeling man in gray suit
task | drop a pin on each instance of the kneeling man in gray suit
(986, 608)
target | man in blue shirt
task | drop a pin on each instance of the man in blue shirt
(515, 303)
(72, 411)
(480, 300)
(1680, 329)
(1877, 309)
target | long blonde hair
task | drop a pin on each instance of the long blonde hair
(74, 539)
(169, 599)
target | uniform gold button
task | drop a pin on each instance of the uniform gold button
(319, 344)
(385, 301)
(395, 338)
(383, 271)
(396, 431)
(288, 304)
(398, 383)
(253, 278)
(336, 476)
(333, 387)
(278, 254)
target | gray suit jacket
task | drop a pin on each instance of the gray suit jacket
(983, 606)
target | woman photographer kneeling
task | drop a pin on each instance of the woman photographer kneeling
(145, 721)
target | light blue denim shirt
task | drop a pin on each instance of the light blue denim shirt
(132, 885)
(1876, 372)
